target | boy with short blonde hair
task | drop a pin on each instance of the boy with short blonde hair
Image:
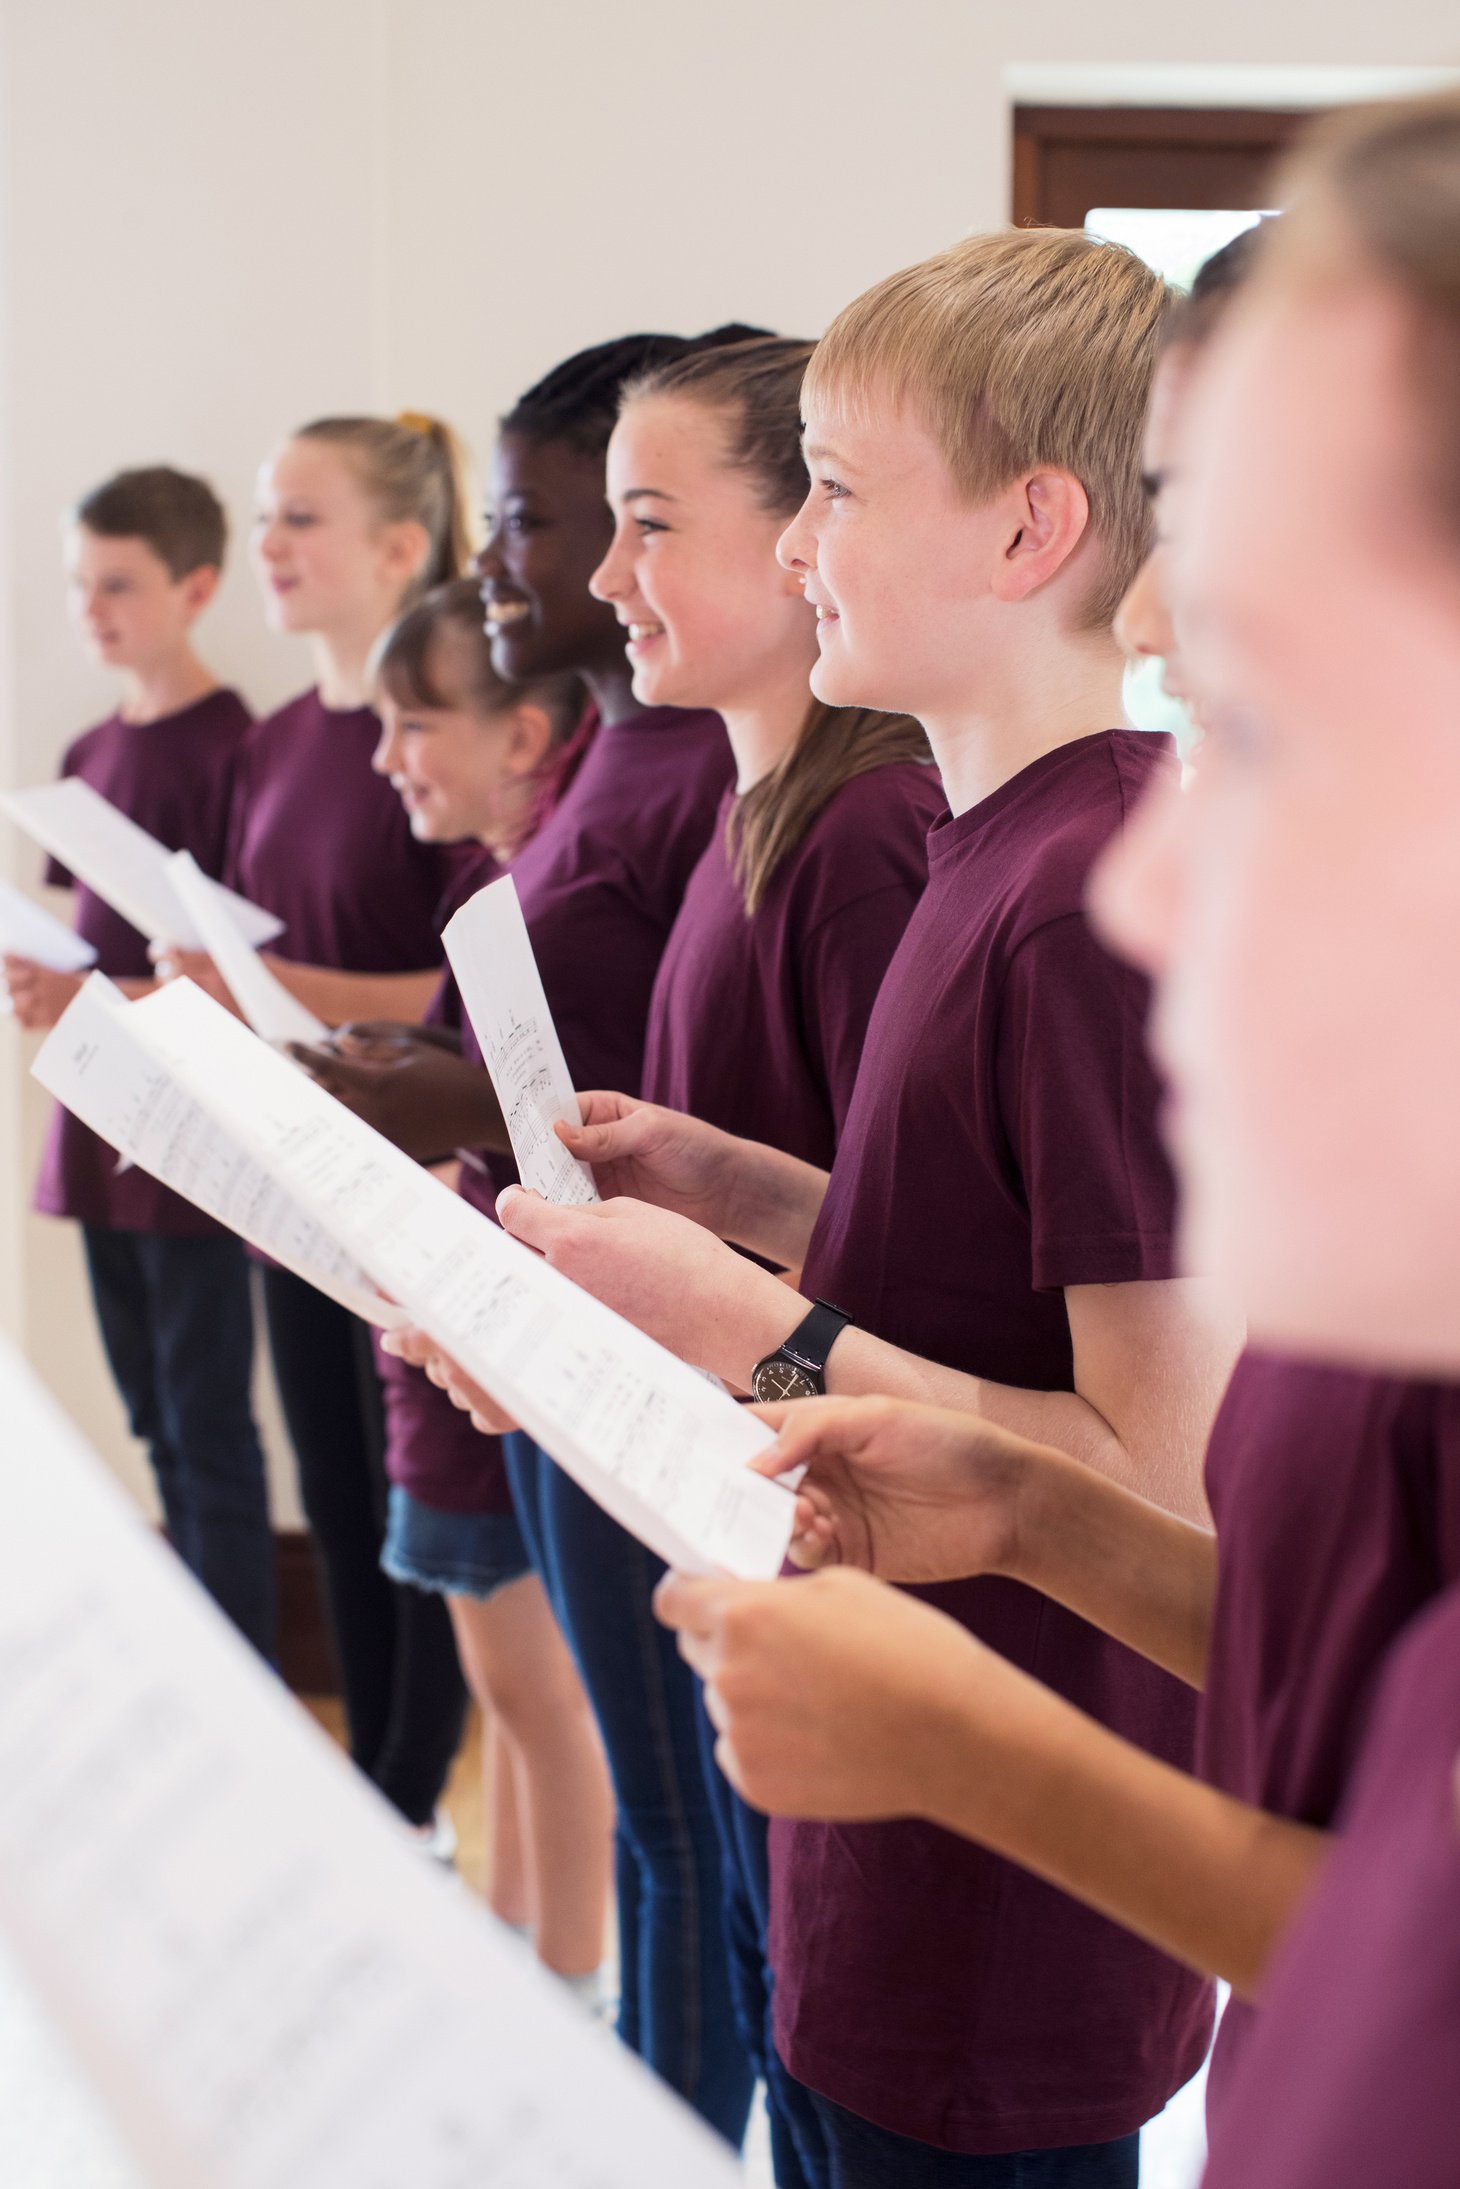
(997, 1228)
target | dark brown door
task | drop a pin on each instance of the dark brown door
(1069, 158)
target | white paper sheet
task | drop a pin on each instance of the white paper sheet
(491, 955)
(659, 1447)
(27, 930)
(262, 1979)
(265, 1002)
(121, 862)
(127, 1091)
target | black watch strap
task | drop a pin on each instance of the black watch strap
(813, 1338)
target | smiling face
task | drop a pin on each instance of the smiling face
(1299, 906)
(131, 611)
(325, 560)
(547, 530)
(896, 563)
(460, 769)
(713, 619)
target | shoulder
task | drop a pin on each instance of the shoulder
(100, 740)
(1089, 796)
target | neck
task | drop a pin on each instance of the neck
(341, 663)
(763, 730)
(612, 693)
(166, 688)
(1065, 691)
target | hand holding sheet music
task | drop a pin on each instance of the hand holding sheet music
(658, 1446)
(491, 955)
(256, 1972)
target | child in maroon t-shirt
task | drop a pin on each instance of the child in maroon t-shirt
(144, 552)
(760, 1010)
(475, 762)
(997, 1223)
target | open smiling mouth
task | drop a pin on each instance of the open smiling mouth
(500, 613)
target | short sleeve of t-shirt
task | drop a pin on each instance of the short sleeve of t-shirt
(844, 960)
(1079, 1100)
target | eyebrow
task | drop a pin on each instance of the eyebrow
(649, 494)
(820, 451)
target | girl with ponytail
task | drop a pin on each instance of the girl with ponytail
(801, 896)
(356, 519)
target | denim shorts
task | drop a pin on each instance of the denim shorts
(451, 1554)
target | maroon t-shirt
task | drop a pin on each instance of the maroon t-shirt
(601, 885)
(320, 840)
(1002, 1145)
(431, 1448)
(1352, 2078)
(757, 1022)
(1336, 1498)
(174, 778)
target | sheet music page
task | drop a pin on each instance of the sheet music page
(272, 1012)
(27, 930)
(108, 851)
(257, 1972)
(128, 1092)
(657, 1445)
(491, 955)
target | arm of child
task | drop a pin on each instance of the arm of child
(920, 1494)
(738, 1189)
(840, 1698)
(1151, 1360)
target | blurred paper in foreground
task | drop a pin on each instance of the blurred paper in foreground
(265, 1984)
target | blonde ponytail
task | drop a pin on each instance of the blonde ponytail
(417, 471)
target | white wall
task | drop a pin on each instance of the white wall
(216, 220)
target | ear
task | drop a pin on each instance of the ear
(405, 546)
(1049, 516)
(529, 738)
(198, 588)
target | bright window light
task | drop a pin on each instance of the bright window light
(1174, 242)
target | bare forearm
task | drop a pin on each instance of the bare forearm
(339, 998)
(773, 1203)
(1138, 1573)
(1207, 1879)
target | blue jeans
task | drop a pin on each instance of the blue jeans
(676, 2010)
(798, 2143)
(864, 2157)
(177, 1323)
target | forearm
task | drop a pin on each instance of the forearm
(1137, 1572)
(773, 1202)
(1205, 1878)
(339, 997)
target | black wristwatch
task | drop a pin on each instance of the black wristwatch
(797, 1369)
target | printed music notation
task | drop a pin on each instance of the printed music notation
(491, 956)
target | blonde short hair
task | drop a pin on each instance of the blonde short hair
(1032, 347)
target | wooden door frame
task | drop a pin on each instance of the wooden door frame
(1254, 129)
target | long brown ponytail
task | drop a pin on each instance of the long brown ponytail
(417, 471)
(755, 389)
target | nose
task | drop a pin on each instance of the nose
(1135, 892)
(268, 539)
(1143, 620)
(610, 581)
(389, 749)
(796, 547)
(487, 562)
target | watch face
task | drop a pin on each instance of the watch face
(778, 1378)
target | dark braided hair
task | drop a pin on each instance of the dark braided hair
(578, 401)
